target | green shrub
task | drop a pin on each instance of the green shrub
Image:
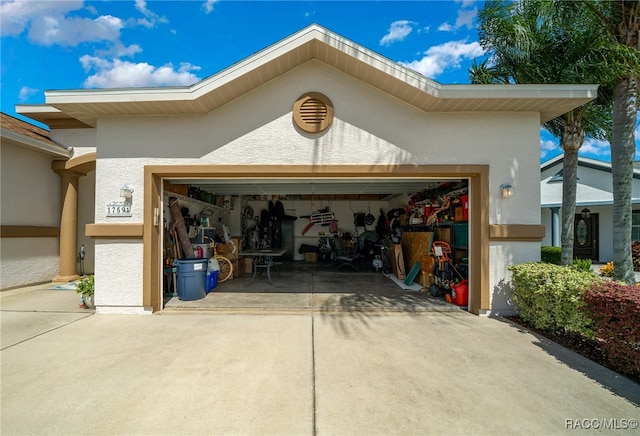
(615, 310)
(582, 264)
(549, 296)
(550, 254)
(85, 285)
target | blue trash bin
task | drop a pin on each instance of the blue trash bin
(191, 278)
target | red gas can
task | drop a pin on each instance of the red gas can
(462, 293)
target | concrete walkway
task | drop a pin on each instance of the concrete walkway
(68, 371)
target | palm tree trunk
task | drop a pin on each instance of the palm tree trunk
(622, 155)
(572, 138)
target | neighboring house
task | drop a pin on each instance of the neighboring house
(31, 168)
(593, 223)
(315, 114)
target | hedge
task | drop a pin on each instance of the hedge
(551, 254)
(549, 296)
(615, 310)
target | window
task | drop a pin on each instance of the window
(635, 225)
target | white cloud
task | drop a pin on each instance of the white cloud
(71, 31)
(15, 16)
(548, 147)
(595, 147)
(445, 56)
(48, 23)
(25, 93)
(150, 18)
(398, 31)
(466, 17)
(123, 74)
(208, 6)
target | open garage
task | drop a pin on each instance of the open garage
(319, 129)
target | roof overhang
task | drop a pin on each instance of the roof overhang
(18, 139)
(82, 108)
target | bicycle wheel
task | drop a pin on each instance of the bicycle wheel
(226, 268)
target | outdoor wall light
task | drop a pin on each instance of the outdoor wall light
(126, 191)
(507, 190)
(586, 213)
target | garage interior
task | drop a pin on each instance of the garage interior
(354, 244)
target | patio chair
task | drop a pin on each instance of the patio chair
(347, 257)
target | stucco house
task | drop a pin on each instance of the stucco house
(593, 222)
(315, 120)
(32, 165)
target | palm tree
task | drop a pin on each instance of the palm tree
(621, 21)
(538, 42)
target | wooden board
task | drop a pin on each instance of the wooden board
(397, 262)
(414, 246)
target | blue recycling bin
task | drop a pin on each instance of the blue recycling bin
(191, 278)
(212, 280)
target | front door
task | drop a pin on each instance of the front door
(585, 237)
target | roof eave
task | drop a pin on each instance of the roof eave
(44, 147)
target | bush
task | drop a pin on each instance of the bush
(635, 255)
(549, 254)
(85, 285)
(607, 270)
(582, 264)
(615, 310)
(549, 296)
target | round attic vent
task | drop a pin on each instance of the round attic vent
(313, 112)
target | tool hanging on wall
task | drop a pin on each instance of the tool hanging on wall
(321, 217)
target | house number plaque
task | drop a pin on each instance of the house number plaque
(118, 208)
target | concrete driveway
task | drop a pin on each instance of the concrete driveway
(68, 371)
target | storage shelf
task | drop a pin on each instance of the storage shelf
(205, 204)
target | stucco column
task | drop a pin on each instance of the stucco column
(68, 225)
(555, 225)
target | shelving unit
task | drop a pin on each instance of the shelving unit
(207, 207)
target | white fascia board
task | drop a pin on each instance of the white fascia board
(39, 146)
(519, 91)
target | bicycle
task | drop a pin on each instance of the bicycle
(226, 266)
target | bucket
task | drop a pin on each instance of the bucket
(461, 297)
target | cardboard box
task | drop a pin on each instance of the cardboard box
(247, 265)
(459, 215)
(178, 189)
(311, 257)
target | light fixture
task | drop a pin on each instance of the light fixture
(126, 191)
(586, 213)
(507, 190)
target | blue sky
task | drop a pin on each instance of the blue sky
(56, 44)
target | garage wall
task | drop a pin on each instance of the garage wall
(370, 128)
(30, 197)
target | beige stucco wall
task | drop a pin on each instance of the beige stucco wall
(370, 128)
(86, 211)
(30, 194)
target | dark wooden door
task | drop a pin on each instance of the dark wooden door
(585, 237)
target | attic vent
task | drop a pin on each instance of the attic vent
(313, 112)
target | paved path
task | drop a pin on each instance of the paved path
(72, 372)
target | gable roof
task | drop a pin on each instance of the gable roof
(582, 162)
(20, 133)
(593, 188)
(81, 108)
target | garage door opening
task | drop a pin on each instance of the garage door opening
(321, 243)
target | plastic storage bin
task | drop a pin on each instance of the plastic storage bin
(192, 278)
(212, 280)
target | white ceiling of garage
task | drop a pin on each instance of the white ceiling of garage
(311, 186)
